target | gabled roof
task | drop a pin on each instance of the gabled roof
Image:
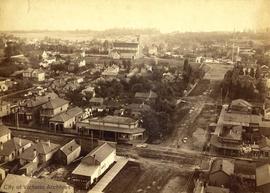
(125, 44)
(4, 130)
(38, 185)
(41, 148)
(69, 147)
(55, 103)
(13, 145)
(222, 165)
(100, 153)
(39, 100)
(243, 119)
(263, 175)
(69, 114)
(241, 102)
(90, 162)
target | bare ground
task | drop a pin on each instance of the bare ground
(149, 178)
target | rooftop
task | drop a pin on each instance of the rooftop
(100, 153)
(4, 130)
(241, 102)
(13, 145)
(224, 165)
(94, 158)
(39, 100)
(70, 147)
(114, 119)
(125, 44)
(55, 103)
(101, 127)
(41, 148)
(263, 175)
(69, 114)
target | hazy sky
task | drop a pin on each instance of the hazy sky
(166, 15)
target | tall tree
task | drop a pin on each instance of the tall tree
(258, 72)
(252, 72)
(186, 71)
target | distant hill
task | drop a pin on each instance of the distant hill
(82, 34)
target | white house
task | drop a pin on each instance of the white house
(5, 134)
(44, 55)
(94, 165)
(69, 152)
(38, 75)
(81, 63)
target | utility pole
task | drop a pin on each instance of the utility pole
(92, 139)
(17, 118)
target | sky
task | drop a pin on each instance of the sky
(164, 15)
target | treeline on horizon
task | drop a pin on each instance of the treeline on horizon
(140, 31)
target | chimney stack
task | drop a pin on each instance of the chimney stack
(49, 143)
(71, 148)
(1, 146)
(35, 153)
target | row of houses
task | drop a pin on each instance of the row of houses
(34, 156)
(46, 109)
(223, 173)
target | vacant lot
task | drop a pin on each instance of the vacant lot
(198, 132)
(217, 71)
(135, 178)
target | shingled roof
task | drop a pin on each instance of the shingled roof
(42, 147)
(69, 147)
(13, 145)
(263, 175)
(69, 114)
(4, 130)
(55, 103)
(222, 165)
